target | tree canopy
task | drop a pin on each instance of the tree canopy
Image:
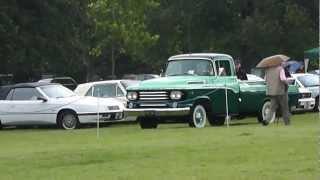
(82, 38)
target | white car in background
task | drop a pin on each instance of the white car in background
(107, 89)
(47, 103)
(310, 82)
(305, 102)
(252, 77)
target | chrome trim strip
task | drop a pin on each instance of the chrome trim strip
(153, 92)
(153, 95)
(157, 112)
(151, 105)
(154, 98)
(196, 82)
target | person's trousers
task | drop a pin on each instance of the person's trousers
(280, 101)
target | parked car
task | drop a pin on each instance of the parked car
(252, 77)
(317, 72)
(47, 103)
(194, 91)
(65, 81)
(305, 102)
(310, 82)
(140, 77)
(107, 89)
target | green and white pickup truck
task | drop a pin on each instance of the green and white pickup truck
(194, 90)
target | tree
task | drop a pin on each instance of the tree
(120, 29)
(43, 37)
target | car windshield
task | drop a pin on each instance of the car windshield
(57, 91)
(189, 67)
(129, 83)
(105, 90)
(309, 80)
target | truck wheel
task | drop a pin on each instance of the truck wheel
(217, 121)
(198, 117)
(316, 105)
(147, 123)
(266, 108)
(68, 120)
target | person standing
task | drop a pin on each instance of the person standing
(277, 90)
(240, 72)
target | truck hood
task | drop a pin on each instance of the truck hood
(173, 82)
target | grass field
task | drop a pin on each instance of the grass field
(246, 150)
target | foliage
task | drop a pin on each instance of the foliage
(112, 37)
(246, 29)
(39, 37)
(120, 28)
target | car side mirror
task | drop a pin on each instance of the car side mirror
(42, 99)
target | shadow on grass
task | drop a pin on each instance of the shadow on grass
(243, 123)
(54, 127)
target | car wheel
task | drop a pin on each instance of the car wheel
(198, 117)
(68, 120)
(316, 105)
(265, 110)
(217, 121)
(147, 123)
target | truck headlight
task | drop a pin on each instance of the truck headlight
(176, 95)
(132, 95)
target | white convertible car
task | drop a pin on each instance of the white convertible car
(46, 103)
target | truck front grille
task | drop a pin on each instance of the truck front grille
(150, 99)
(153, 95)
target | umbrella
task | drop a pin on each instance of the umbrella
(293, 66)
(272, 61)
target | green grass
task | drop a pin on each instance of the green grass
(246, 150)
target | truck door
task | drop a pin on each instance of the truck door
(225, 78)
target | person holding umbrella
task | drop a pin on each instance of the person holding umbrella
(277, 86)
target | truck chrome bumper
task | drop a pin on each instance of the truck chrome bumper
(157, 112)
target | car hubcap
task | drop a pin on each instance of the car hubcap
(199, 116)
(69, 121)
(266, 111)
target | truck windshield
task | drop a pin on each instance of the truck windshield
(192, 67)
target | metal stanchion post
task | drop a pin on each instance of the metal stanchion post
(227, 106)
(98, 114)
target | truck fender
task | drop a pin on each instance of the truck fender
(206, 101)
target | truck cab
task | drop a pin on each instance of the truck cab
(196, 89)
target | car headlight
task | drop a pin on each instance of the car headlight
(132, 95)
(176, 95)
